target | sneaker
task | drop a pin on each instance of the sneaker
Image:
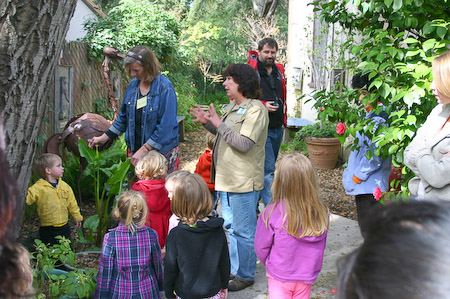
(238, 284)
(232, 276)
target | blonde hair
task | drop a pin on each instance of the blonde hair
(44, 161)
(295, 186)
(441, 73)
(153, 165)
(210, 140)
(148, 60)
(191, 199)
(132, 209)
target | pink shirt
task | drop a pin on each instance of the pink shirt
(287, 258)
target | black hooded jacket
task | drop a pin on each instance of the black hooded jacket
(197, 262)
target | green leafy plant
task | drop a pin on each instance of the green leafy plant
(105, 191)
(399, 41)
(322, 129)
(51, 283)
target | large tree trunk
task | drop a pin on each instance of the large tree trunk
(32, 33)
(265, 8)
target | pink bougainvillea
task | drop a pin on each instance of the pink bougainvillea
(377, 193)
(321, 108)
(340, 128)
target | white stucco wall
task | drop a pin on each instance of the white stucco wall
(81, 14)
(300, 38)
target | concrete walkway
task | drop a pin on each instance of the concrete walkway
(343, 237)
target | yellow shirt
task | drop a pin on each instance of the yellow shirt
(237, 171)
(53, 204)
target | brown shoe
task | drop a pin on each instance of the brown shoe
(238, 284)
(232, 276)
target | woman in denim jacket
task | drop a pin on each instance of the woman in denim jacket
(428, 154)
(148, 115)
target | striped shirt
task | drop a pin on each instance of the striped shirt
(130, 264)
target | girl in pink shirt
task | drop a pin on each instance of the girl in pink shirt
(291, 232)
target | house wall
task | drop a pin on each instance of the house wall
(79, 82)
(82, 13)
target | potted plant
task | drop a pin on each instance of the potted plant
(323, 146)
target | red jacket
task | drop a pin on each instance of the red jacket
(253, 62)
(158, 204)
(203, 168)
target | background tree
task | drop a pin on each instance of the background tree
(31, 37)
(400, 38)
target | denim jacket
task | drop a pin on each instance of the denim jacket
(373, 173)
(159, 117)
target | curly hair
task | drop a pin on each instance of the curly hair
(152, 166)
(247, 79)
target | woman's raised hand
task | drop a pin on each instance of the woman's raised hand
(199, 114)
(213, 117)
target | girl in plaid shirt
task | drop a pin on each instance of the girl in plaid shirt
(130, 264)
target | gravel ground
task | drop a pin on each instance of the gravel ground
(330, 180)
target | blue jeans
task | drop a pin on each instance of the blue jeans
(273, 143)
(239, 213)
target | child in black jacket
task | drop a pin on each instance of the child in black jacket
(197, 263)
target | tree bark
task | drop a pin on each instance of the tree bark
(32, 33)
(265, 8)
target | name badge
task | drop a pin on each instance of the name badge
(241, 111)
(142, 102)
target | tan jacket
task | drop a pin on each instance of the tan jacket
(53, 204)
(236, 171)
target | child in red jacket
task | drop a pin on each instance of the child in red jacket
(203, 167)
(151, 171)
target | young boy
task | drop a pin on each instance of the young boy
(203, 167)
(54, 199)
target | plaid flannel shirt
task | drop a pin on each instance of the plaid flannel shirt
(130, 265)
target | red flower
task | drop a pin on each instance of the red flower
(321, 108)
(377, 193)
(340, 129)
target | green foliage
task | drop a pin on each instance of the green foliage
(117, 152)
(321, 130)
(131, 23)
(400, 39)
(105, 191)
(79, 283)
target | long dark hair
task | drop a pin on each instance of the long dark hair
(247, 79)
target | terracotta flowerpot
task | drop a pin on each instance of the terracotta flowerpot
(323, 152)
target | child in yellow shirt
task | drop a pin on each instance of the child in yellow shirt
(54, 199)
